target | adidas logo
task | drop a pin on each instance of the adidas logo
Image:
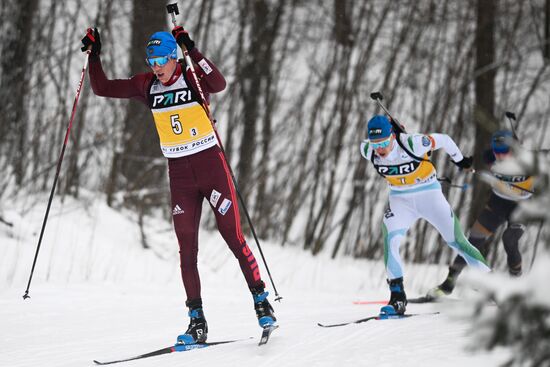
(177, 210)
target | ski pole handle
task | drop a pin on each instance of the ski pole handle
(173, 11)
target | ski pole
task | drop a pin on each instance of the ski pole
(60, 160)
(448, 182)
(512, 117)
(173, 11)
(378, 97)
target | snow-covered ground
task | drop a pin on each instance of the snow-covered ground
(97, 294)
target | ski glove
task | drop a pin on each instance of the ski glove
(92, 39)
(182, 38)
(465, 163)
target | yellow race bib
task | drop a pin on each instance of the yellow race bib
(182, 124)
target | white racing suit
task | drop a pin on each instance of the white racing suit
(416, 193)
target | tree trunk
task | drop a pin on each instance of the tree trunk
(484, 95)
(140, 139)
(251, 83)
(15, 72)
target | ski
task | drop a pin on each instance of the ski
(431, 299)
(423, 299)
(377, 317)
(266, 333)
(173, 348)
(444, 299)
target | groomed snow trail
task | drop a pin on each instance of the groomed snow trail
(98, 295)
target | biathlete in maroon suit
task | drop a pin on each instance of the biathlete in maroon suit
(197, 168)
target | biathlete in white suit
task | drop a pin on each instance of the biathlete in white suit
(415, 192)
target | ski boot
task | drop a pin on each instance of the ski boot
(444, 289)
(515, 271)
(398, 299)
(198, 327)
(264, 311)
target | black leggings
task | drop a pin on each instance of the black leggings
(193, 178)
(496, 212)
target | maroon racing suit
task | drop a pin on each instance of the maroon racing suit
(197, 170)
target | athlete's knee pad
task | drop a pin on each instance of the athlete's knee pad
(512, 234)
(510, 239)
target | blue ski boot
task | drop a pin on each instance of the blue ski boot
(264, 311)
(198, 327)
(398, 299)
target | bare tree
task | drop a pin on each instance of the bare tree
(484, 93)
(294, 112)
(15, 71)
(133, 167)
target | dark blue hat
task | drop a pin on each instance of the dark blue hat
(379, 127)
(500, 141)
(161, 44)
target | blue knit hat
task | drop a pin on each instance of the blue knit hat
(379, 127)
(500, 141)
(161, 44)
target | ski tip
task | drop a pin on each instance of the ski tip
(266, 333)
(332, 325)
(102, 363)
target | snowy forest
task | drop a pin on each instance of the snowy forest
(292, 117)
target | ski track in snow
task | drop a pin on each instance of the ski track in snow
(97, 295)
(71, 326)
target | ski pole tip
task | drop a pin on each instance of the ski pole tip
(26, 295)
(278, 298)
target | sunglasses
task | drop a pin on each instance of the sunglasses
(500, 145)
(501, 150)
(160, 61)
(381, 144)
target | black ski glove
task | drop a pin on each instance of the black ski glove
(92, 38)
(465, 163)
(182, 38)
